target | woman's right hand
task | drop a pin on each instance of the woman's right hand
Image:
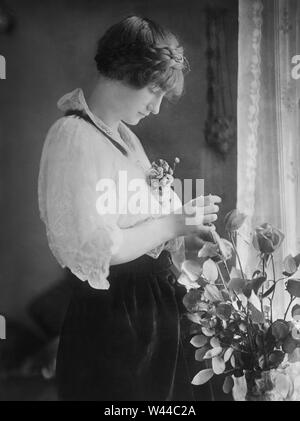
(196, 215)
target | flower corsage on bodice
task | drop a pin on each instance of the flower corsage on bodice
(160, 178)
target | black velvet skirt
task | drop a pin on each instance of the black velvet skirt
(124, 343)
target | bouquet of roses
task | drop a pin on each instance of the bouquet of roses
(231, 315)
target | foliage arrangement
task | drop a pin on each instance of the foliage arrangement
(232, 317)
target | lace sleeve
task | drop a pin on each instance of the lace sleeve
(73, 161)
(174, 245)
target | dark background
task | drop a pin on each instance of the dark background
(50, 52)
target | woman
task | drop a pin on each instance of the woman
(121, 335)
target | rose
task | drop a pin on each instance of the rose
(165, 181)
(160, 172)
(160, 175)
(234, 220)
(267, 238)
(154, 183)
(156, 173)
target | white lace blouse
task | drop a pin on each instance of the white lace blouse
(75, 157)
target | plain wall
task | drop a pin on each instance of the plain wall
(50, 52)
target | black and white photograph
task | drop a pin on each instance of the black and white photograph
(150, 203)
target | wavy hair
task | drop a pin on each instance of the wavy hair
(141, 53)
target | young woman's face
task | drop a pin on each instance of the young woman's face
(136, 104)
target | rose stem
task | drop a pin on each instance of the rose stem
(273, 293)
(291, 300)
(237, 255)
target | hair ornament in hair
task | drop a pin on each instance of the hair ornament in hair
(177, 59)
(177, 56)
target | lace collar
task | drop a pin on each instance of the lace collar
(75, 100)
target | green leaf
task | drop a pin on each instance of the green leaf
(293, 287)
(213, 352)
(223, 311)
(243, 327)
(192, 268)
(198, 341)
(280, 329)
(290, 265)
(199, 354)
(208, 249)
(243, 300)
(237, 285)
(203, 376)
(269, 291)
(215, 343)
(228, 354)
(232, 361)
(289, 344)
(183, 279)
(247, 290)
(297, 259)
(210, 270)
(257, 316)
(296, 310)
(218, 365)
(256, 283)
(254, 300)
(212, 293)
(228, 384)
(224, 247)
(276, 357)
(259, 340)
(202, 306)
(208, 332)
(294, 357)
(226, 296)
(193, 300)
(236, 273)
(194, 317)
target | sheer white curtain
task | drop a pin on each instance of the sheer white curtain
(268, 125)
